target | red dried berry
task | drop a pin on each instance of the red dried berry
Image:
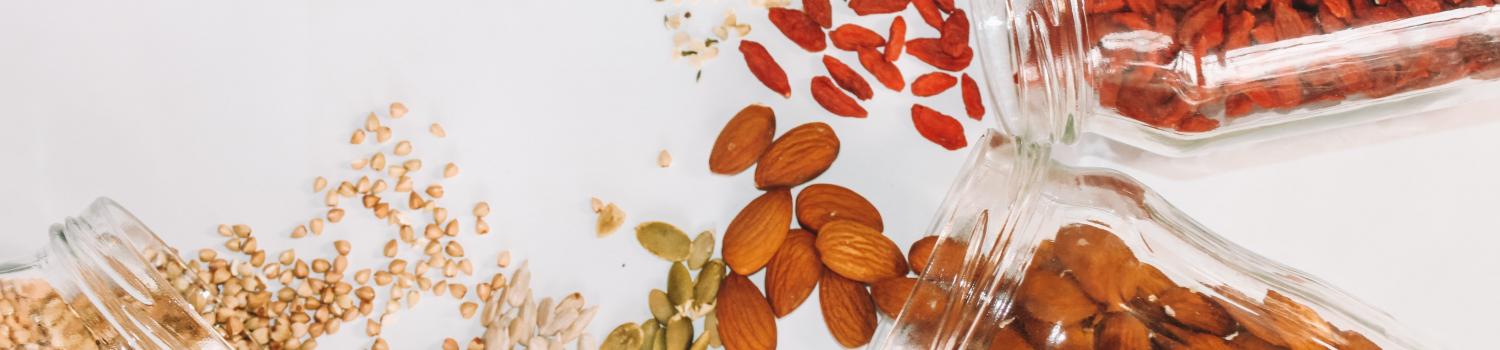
(930, 13)
(897, 39)
(930, 51)
(932, 84)
(820, 11)
(946, 5)
(847, 78)
(884, 71)
(973, 105)
(955, 36)
(852, 37)
(834, 100)
(800, 28)
(871, 7)
(938, 128)
(1197, 123)
(765, 68)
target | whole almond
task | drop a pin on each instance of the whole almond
(744, 318)
(949, 262)
(1054, 335)
(1050, 297)
(891, 295)
(1150, 281)
(757, 231)
(743, 140)
(847, 310)
(819, 204)
(1103, 264)
(859, 252)
(1121, 331)
(793, 272)
(1196, 311)
(799, 155)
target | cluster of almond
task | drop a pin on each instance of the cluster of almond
(839, 244)
(1085, 289)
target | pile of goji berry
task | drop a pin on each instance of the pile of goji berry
(1142, 84)
(877, 54)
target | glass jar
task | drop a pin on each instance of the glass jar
(1182, 77)
(96, 285)
(1033, 254)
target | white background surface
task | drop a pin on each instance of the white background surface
(193, 114)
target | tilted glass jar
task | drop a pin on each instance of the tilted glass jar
(1034, 254)
(1181, 77)
(97, 285)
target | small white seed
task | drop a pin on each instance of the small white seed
(383, 135)
(403, 148)
(358, 137)
(435, 191)
(398, 110)
(319, 184)
(664, 159)
(372, 122)
(450, 170)
(437, 130)
(342, 246)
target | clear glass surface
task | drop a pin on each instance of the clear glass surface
(1034, 254)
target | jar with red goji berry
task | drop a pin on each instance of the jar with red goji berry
(1181, 77)
(1026, 253)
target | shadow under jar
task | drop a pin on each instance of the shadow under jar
(103, 281)
(1032, 254)
(1183, 77)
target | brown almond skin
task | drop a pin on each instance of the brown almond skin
(1103, 263)
(758, 231)
(920, 253)
(1121, 331)
(1197, 311)
(745, 320)
(847, 310)
(1053, 336)
(743, 140)
(890, 295)
(799, 155)
(819, 204)
(1053, 298)
(949, 263)
(793, 272)
(859, 252)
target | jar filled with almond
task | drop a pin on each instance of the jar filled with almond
(1030, 254)
(96, 285)
(1182, 77)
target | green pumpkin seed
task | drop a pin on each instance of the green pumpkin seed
(707, 288)
(703, 248)
(649, 330)
(701, 343)
(661, 306)
(711, 330)
(663, 240)
(679, 334)
(625, 337)
(679, 285)
(660, 343)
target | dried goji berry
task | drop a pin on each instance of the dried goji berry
(939, 128)
(820, 11)
(834, 100)
(1288, 21)
(1103, 6)
(1422, 7)
(1144, 7)
(930, 51)
(955, 36)
(884, 71)
(1131, 20)
(847, 78)
(1197, 123)
(765, 68)
(1264, 33)
(1239, 31)
(932, 84)
(897, 39)
(1329, 21)
(1238, 105)
(800, 28)
(1193, 21)
(930, 13)
(946, 5)
(871, 7)
(852, 37)
(1339, 8)
(973, 105)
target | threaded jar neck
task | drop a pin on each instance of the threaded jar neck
(1033, 55)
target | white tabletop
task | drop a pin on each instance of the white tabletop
(196, 113)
